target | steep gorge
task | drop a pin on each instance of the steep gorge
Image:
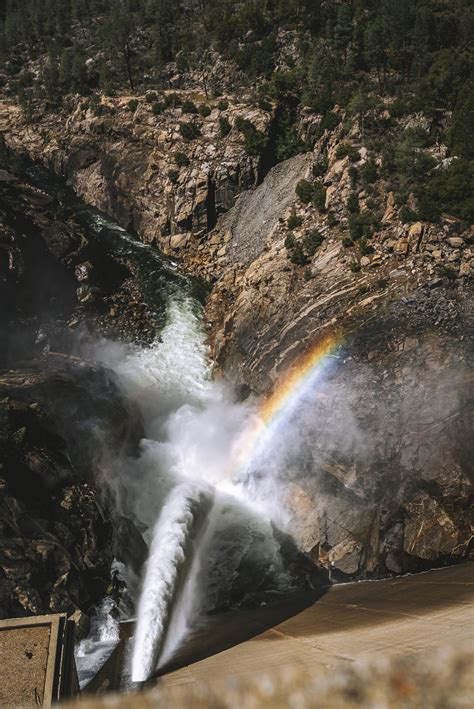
(381, 501)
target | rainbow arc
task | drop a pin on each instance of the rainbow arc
(275, 410)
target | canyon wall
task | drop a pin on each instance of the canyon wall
(284, 272)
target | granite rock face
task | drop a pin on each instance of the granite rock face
(140, 169)
(385, 483)
(285, 273)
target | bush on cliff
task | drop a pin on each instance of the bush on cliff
(189, 131)
(181, 159)
(312, 241)
(189, 107)
(304, 191)
(448, 190)
(224, 126)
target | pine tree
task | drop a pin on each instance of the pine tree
(343, 29)
(51, 78)
(462, 130)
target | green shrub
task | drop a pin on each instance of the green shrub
(241, 124)
(319, 196)
(352, 203)
(332, 219)
(462, 129)
(181, 159)
(172, 100)
(223, 105)
(364, 224)
(224, 126)
(132, 105)
(204, 110)
(189, 131)
(407, 215)
(368, 172)
(446, 271)
(294, 221)
(151, 97)
(312, 241)
(320, 168)
(297, 255)
(255, 143)
(173, 176)
(448, 190)
(345, 150)
(189, 107)
(158, 108)
(365, 248)
(304, 190)
(290, 241)
(330, 121)
(353, 174)
(265, 105)
(354, 266)
(355, 227)
(347, 241)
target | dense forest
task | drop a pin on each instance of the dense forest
(352, 54)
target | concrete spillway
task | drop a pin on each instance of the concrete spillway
(351, 623)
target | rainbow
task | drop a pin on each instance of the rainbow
(278, 408)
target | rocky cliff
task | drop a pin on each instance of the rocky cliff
(60, 415)
(318, 245)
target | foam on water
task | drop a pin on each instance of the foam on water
(193, 427)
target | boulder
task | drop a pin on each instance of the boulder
(390, 209)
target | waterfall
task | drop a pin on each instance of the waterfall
(192, 424)
(170, 552)
(211, 537)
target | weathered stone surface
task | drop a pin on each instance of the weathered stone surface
(57, 531)
(353, 515)
(455, 241)
(390, 209)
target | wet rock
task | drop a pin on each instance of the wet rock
(87, 295)
(83, 271)
(430, 532)
(56, 533)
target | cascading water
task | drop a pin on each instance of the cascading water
(209, 520)
(211, 537)
(192, 425)
(170, 550)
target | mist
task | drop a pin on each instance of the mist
(210, 516)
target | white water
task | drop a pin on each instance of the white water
(169, 552)
(192, 426)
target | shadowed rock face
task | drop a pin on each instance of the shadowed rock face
(58, 415)
(56, 530)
